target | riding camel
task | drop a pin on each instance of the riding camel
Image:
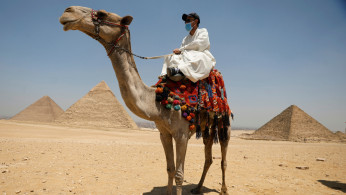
(112, 32)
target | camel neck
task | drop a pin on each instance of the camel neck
(138, 97)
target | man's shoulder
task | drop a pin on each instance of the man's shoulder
(202, 30)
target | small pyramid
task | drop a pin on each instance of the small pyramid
(43, 110)
(98, 108)
(294, 124)
(340, 134)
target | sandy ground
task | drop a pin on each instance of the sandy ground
(44, 159)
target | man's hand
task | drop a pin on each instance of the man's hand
(177, 51)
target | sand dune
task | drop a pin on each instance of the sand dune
(47, 159)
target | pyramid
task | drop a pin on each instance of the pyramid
(293, 124)
(98, 108)
(341, 135)
(43, 110)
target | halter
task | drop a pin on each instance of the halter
(98, 22)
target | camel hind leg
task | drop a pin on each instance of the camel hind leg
(224, 147)
(208, 144)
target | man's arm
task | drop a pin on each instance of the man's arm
(199, 44)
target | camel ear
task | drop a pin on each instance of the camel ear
(102, 14)
(126, 20)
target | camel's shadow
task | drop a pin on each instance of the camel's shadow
(186, 190)
(336, 185)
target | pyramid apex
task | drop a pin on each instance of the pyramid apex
(46, 97)
(102, 86)
(293, 106)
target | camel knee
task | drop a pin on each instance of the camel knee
(208, 162)
(170, 172)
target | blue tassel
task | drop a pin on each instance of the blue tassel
(210, 92)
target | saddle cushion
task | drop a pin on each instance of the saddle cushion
(208, 94)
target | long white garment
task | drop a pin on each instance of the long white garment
(195, 60)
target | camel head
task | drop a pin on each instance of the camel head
(83, 19)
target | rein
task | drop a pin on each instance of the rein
(98, 22)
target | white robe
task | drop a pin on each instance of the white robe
(195, 60)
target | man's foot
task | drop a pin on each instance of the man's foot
(172, 71)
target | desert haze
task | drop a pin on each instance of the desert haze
(49, 159)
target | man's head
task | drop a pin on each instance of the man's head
(192, 17)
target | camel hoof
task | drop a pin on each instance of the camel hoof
(224, 192)
(196, 191)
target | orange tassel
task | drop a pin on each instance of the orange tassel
(192, 127)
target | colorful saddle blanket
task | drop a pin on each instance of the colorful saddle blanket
(208, 94)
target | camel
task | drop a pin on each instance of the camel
(112, 32)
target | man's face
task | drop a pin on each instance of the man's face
(190, 19)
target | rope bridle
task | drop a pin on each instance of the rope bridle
(98, 22)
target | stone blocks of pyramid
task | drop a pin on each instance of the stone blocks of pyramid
(98, 108)
(43, 110)
(293, 124)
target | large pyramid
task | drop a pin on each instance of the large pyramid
(43, 110)
(98, 108)
(294, 124)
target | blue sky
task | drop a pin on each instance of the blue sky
(272, 53)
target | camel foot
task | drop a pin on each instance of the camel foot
(169, 192)
(179, 191)
(224, 191)
(196, 190)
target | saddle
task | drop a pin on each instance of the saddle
(207, 95)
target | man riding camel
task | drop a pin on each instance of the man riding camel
(193, 59)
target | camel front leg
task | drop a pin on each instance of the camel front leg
(166, 140)
(224, 147)
(208, 144)
(181, 146)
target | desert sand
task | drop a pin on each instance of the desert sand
(49, 159)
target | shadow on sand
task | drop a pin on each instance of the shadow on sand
(336, 185)
(186, 190)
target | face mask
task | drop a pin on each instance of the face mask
(188, 27)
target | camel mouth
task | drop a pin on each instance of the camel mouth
(67, 23)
